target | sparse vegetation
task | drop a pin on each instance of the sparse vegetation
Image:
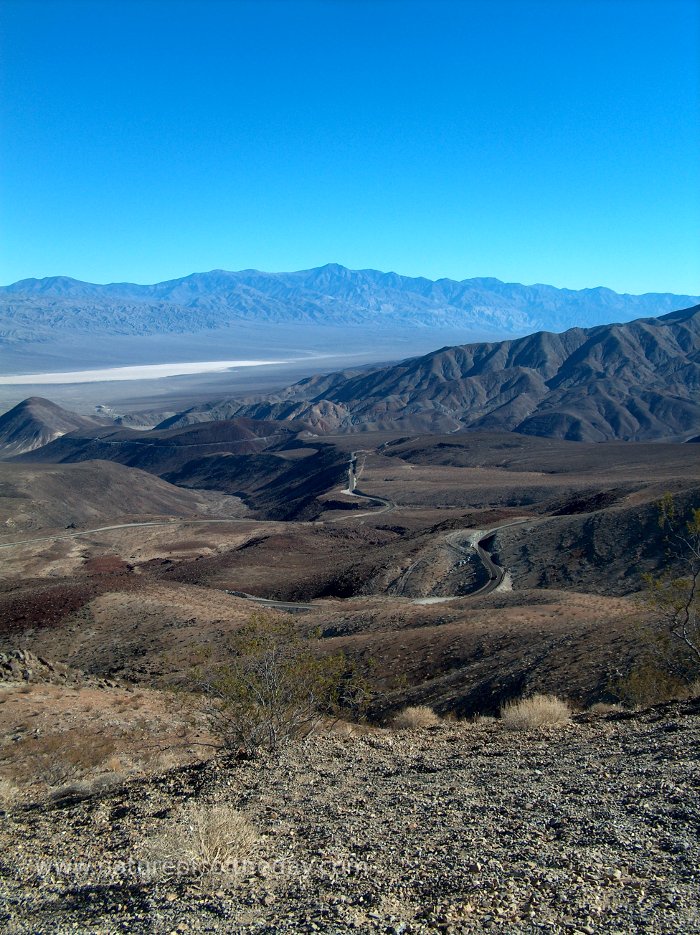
(653, 682)
(204, 840)
(61, 758)
(535, 712)
(276, 688)
(675, 597)
(79, 740)
(9, 793)
(415, 717)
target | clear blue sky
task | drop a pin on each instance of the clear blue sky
(554, 141)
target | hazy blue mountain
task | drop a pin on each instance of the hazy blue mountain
(34, 309)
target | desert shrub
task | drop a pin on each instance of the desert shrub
(9, 793)
(675, 593)
(415, 718)
(276, 688)
(650, 683)
(204, 840)
(605, 707)
(535, 712)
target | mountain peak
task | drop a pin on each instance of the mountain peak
(35, 422)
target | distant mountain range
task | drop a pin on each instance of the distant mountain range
(635, 381)
(38, 309)
(632, 381)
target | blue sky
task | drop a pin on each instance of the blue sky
(536, 141)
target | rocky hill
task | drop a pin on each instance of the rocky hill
(161, 450)
(35, 309)
(631, 381)
(261, 461)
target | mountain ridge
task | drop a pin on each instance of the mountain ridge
(633, 381)
(330, 294)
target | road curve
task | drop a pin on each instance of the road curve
(351, 490)
(496, 572)
(290, 606)
(164, 522)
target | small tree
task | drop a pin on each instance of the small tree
(276, 688)
(675, 595)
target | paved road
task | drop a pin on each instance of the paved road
(496, 572)
(455, 540)
(164, 522)
(386, 505)
(290, 606)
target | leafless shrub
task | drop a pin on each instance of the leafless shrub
(676, 597)
(415, 717)
(535, 712)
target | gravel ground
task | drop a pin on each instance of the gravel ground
(457, 828)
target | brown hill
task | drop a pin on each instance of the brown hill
(43, 496)
(159, 451)
(35, 422)
(633, 381)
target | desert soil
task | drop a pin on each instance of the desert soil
(457, 828)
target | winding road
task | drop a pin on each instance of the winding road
(164, 522)
(351, 490)
(495, 572)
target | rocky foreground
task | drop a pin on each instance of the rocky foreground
(457, 828)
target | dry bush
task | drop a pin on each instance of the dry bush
(9, 793)
(276, 688)
(204, 840)
(605, 707)
(535, 712)
(415, 718)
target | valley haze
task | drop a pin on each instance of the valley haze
(54, 326)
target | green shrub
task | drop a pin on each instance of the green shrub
(276, 687)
